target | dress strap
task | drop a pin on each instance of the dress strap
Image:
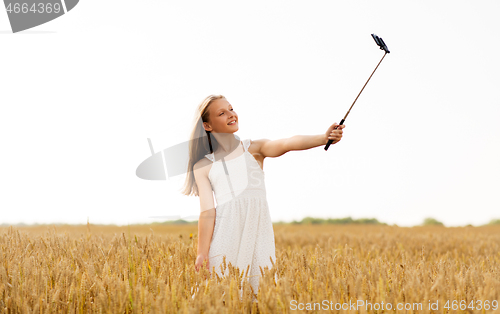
(246, 144)
(210, 157)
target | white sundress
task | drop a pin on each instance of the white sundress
(243, 229)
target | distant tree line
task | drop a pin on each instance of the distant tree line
(337, 221)
(305, 221)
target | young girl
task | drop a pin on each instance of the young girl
(240, 228)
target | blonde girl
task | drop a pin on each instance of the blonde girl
(240, 228)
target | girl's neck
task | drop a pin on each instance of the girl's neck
(228, 142)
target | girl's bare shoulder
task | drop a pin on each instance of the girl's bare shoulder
(254, 149)
(255, 146)
(202, 166)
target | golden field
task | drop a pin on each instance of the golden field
(320, 268)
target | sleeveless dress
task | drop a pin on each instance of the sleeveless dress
(243, 230)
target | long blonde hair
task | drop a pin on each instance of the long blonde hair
(201, 142)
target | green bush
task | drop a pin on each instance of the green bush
(432, 222)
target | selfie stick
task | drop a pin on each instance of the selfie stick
(382, 46)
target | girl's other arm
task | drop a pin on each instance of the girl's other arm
(207, 214)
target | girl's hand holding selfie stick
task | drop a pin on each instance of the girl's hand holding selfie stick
(334, 133)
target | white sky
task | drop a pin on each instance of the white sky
(81, 94)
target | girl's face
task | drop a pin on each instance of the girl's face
(221, 114)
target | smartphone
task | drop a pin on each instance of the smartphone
(381, 43)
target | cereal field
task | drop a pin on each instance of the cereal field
(320, 268)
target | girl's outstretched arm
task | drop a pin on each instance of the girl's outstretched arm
(277, 148)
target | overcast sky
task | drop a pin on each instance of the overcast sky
(81, 94)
